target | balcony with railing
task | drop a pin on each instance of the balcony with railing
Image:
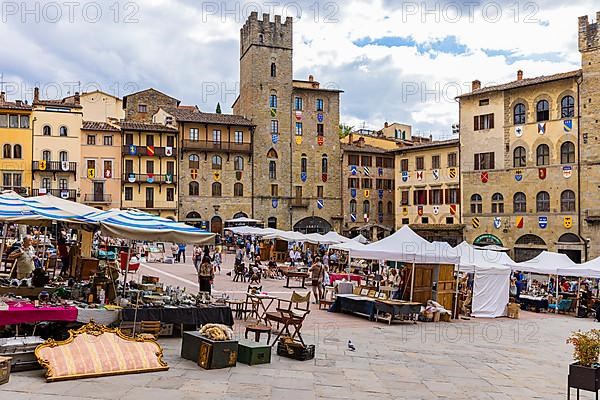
(67, 194)
(150, 204)
(217, 146)
(20, 190)
(97, 198)
(148, 151)
(592, 215)
(132, 177)
(55, 166)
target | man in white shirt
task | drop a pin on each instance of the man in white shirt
(292, 257)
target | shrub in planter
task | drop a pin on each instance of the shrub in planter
(585, 372)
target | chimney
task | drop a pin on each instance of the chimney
(475, 85)
(385, 125)
(19, 103)
(311, 78)
(77, 98)
(36, 94)
(520, 75)
(350, 138)
(361, 142)
(2, 97)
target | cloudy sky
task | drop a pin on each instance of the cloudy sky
(396, 61)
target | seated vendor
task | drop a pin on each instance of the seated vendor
(24, 256)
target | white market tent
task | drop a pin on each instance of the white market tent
(252, 230)
(20, 210)
(242, 220)
(333, 236)
(347, 246)
(589, 269)
(317, 238)
(288, 236)
(361, 239)
(547, 263)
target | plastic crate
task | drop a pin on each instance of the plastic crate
(296, 351)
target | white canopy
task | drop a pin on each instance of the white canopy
(361, 239)
(589, 269)
(38, 210)
(335, 237)
(473, 259)
(317, 238)
(547, 263)
(288, 236)
(492, 247)
(347, 246)
(242, 220)
(251, 230)
(406, 246)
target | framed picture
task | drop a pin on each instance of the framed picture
(372, 293)
(382, 296)
(364, 292)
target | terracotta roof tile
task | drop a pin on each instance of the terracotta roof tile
(144, 126)
(9, 105)
(99, 126)
(187, 114)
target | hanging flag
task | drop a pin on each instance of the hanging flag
(150, 178)
(273, 112)
(298, 140)
(436, 174)
(320, 117)
(404, 210)
(453, 209)
(367, 193)
(194, 173)
(485, 177)
(452, 172)
(132, 150)
(108, 173)
(497, 222)
(518, 175)
(542, 173)
(518, 131)
(168, 151)
(320, 204)
(303, 176)
(519, 222)
(324, 177)
(353, 170)
(543, 222)
(353, 193)
(131, 177)
(169, 179)
(568, 125)
(366, 170)
(404, 176)
(149, 150)
(64, 194)
(320, 140)
(353, 217)
(568, 222)
(475, 223)
(541, 128)
(379, 171)
(366, 217)
(567, 171)
(380, 193)
(436, 210)
(217, 175)
(274, 203)
(419, 175)
(42, 165)
(91, 173)
(420, 210)
(298, 115)
(64, 165)
(274, 138)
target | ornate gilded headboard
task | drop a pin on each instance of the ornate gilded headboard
(95, 350)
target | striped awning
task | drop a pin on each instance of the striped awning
(17, 209)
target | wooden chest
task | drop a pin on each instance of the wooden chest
(4, 369)
(190, 345)
(217, 354)
(253, 353)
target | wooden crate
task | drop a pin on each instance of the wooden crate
(4, 369)
(253, 353)
(217, 354)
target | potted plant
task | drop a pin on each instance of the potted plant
(584, 373)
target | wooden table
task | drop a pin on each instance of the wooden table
(264, 302)
(296, 274)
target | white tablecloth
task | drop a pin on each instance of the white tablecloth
(100, 316)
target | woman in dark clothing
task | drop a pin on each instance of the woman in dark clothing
(205, 275)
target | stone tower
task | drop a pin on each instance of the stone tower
(589, 47)
(265, 71)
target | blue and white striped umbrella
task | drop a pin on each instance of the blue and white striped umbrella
(17, 209)
(138, 225)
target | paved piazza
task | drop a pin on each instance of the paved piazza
(484, 359)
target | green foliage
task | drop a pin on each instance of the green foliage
(345, 130)
(218, 111)
(586, 346)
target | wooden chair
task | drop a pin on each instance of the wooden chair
(150, 329)
(252, 304)
(298, 306)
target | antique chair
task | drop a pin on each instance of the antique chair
(150, 329)
(252, 304)
(297, 306)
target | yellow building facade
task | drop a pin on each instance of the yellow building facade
(16, 145)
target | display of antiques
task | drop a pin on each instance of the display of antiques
(288, 347)
(209, 354)
(217, 332)
(21, 351)
(95, 350)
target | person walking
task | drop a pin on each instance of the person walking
(197, 257)
(181, 251)
(317, 273)
(175, 252)
(205, 275)
(217, 259)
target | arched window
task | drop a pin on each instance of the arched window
(476, 204)
(519, 203)
(567, 107)
(272, 153)
(217, 162)
(567, 153)
(390, 207)
(273, 70)
(194, 161)
(352, 206)
(497, 203)
(238, 190)
(519, 114)
(194, 188)
(366, 207)
(193, 215)
(46, 155)
(63, 131)
(216, 189)
(567, 201)
(542, 202)
(7, 151)
(63, 156)
(324, 164)
(303, 164)
(238, 163)
(379, 207)
(17, 153)
(272, 170)
(543, 111)
(47, 131)
(519, 157)
(543, 154)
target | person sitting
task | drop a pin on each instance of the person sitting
(24, 256)
(255, 276)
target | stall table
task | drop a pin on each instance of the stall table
(536, 302)
(372, 307)
(296, 274)
(396, 309)
(24, 313)
(348, 277)
(100, 316)
(181, 315)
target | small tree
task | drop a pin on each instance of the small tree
(586, 347)
(218, 111)
(345, 130)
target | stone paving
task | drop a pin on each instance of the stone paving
(484, 359)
